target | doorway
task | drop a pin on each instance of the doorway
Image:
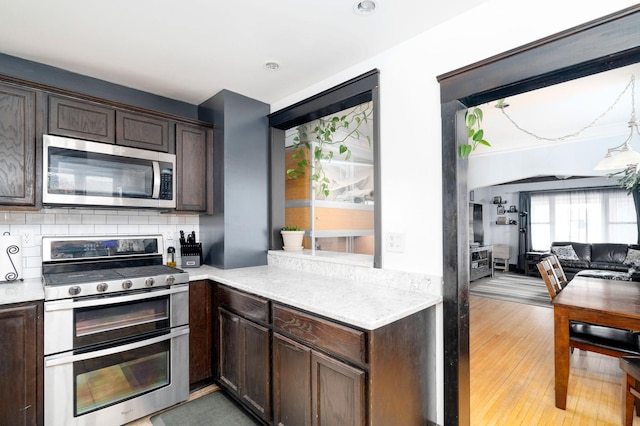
(607, 43)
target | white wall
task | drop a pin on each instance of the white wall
(411, 194)
(410, 109)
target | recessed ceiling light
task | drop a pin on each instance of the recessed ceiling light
(365, 7)
(272, 65)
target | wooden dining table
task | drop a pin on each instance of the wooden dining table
(597, 301)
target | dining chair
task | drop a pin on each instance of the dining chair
(588, 337)
(630, 380)
(550, 277)
(557, 267)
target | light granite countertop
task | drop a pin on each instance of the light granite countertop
(357, 299)
(29, 290)
(359, 303)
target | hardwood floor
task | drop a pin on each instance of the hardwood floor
(511, 356)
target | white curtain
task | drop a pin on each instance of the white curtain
(586, 216)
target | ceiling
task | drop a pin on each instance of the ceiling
(592, 108)
(192, 49)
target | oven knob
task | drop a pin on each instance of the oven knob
(102, 287)
(75, 290)
(127, 284)
(149, 282)
(170, 279)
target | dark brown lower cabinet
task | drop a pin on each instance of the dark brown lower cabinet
(200, 333)
(313, 389)
(295, 368)
(244, 362)
(21, 364)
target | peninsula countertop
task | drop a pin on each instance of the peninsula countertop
(361, 304)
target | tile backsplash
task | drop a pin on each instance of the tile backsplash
(72, 222)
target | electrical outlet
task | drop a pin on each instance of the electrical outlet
(27, 240)
(394, 242)
(168, 236)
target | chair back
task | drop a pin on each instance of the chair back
(555, 263)
(548, 273)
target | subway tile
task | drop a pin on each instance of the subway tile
(128, 229)
(95, 219)
(13, 218)
(55, 229)
(118, 220)
(40, 218)
(68, 219)
(106, 229)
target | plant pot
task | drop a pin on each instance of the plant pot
(292, 240)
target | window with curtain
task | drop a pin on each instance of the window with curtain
(585, 216)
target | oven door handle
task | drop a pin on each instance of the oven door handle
(65, 358)
(61, 305)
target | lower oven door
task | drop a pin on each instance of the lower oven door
(82, 322)
(117, 384)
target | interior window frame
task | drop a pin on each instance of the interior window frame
(356, 91)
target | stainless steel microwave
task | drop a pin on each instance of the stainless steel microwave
(83, 173)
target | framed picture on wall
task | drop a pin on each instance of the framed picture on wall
(497, 200)
(501, 210)
(471, 196)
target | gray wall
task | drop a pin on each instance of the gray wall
(237, 233)
(51, 76)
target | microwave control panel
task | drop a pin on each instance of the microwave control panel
(166, 185)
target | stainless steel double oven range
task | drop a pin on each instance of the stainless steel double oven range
(116, 330)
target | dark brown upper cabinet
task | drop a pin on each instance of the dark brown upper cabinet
(83, 120)
(194, 152)
(143, 131)
(18, 146)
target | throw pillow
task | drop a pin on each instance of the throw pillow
(633, 258)
(565, 252)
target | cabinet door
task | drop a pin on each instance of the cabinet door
(84, 120)
(20, 356)
(142, 131)
(255, 382)
(337, 392)
(229, 350)
(18, 146)
(201, 332)
(194, 147)
(291, 382)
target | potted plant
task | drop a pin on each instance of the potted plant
(292, 237)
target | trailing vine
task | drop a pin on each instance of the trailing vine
(475, 133)
(325, 137)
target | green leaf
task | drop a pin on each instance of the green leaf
(464, 150)
(483, 142)
(478, 113)
(470, 120)
(477, 136)
(343, 149)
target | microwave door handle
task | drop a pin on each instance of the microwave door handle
(156, 180)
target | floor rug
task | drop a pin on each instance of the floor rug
(213, 409)
(513, 288)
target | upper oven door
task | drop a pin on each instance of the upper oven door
(78, 172)
(83, 322)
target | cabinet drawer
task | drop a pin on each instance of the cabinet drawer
(247, 305)
(335, 338)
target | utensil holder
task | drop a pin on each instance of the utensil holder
(191, 255)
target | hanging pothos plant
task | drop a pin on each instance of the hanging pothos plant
(475, 133)
(324, 137)
(629, 178)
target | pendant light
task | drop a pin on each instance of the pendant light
(623, 156)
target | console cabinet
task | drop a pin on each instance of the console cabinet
(21, 364)
(18, 146)
(480, 262)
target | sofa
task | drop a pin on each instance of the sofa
(606, 260)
